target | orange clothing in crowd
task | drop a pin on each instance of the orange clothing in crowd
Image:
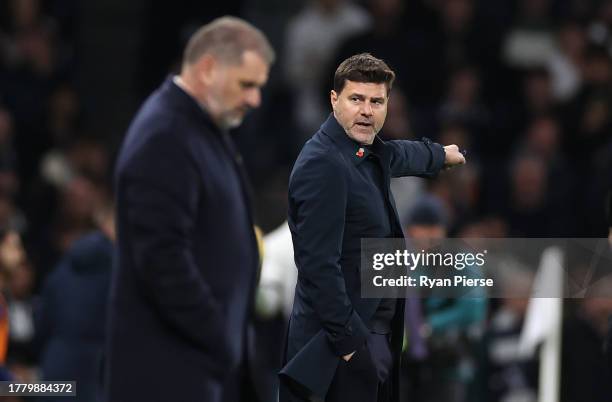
(4, 330)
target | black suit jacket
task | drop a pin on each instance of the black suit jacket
(187, 258)
(332, 206)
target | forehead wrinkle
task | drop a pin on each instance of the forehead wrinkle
(370, 93)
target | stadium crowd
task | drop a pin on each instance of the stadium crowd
(524, 86)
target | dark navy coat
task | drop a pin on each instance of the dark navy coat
(183, 285)
(332, 206)
(71, 322)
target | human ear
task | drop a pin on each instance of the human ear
(333, 97)
(206, 67)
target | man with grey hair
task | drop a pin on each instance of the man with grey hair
(187, 259)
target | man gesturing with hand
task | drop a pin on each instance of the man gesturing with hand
(342, 347)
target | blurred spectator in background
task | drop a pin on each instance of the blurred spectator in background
(63, 114)
(538, 96)
(459, 191)
(527, 210)
(73, 182)
(34, 65)
(455, 37)
(538, 204)
(75, 197)
(426, 221)
(588, 124)
(71, 323)
(17, 290)
(567, 61)
(21, 317)
(385, 35)
(405, 190)
(273, 304)
(585, 375)
(587, 116)
(278, 274)
(503, 373)
(449, 326)
(312, 38)
(462, 104)
(530, 41)
(543, 137)
(12, 255)
(9, 181)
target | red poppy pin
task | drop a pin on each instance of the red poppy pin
(360, 152)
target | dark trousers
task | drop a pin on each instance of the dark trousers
(239, 386)
(364, 377)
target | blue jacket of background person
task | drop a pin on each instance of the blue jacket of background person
(71, 322)
(329, 317)
(183, 286)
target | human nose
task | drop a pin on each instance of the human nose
(253, 97)
(366, 109)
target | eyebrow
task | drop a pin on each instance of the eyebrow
(249, 84)
(362, 97)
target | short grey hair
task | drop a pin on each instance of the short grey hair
(227, 38)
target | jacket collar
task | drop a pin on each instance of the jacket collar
(352, 149)
(187, 103)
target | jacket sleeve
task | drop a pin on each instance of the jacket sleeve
(159, 202)
(415, 158)
(318, 196)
